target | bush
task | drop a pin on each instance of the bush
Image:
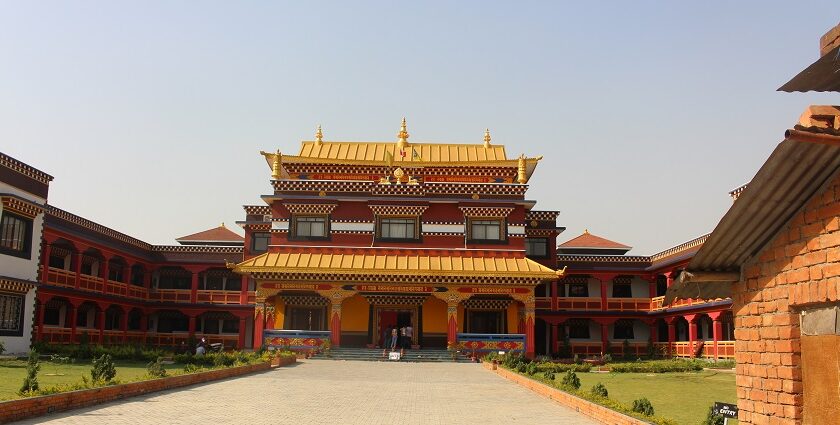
(659, 366)
(155, 369)
(712, 418)
(563, 367)
(600, 390)
(577, 359)
(606, 358)
(549, 376)
(643, 406)
(30, 383)
(521, 367)
(191, 368)
(571, 380)
(722, 364)
(103, 369)
(531, 369)
(2, 347)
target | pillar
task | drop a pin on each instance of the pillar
(144, 324)
(672, 333)
(101, 325)
(654, 331)
(652, 286)
(554, 304)
(670, 278)
(692, 330)
(46, 262)
(259, 321)
(603, 294)
(243, 292)
(335, 324)
(191, 328)
(717, 331)
(73, 313)
(605, 333)
(242, 326)
(124, 324)
(79, 259)
(127, 275)
(553, 349)
(530, 341)
(104, 275)
(194, 286)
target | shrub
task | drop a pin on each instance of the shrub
(600, 390)
(563, 367)
(659, 366)
(712, 418)
(30, 383)
(531, 369)
(2, 347)
(549, 375)
(103, 369)
(606, 358)
(191, 368)
(722, 364)
(571, 380)
(155, 369)
(521, 367)
(643, 406)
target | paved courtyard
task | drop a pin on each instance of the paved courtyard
(339, 392)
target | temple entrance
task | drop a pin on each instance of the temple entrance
(389, 317)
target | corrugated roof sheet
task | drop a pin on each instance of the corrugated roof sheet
(394, 264)
(822, 75)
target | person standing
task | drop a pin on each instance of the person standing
(395, 337)
(386, 339)
(409, 336)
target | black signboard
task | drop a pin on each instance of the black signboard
(726, 409)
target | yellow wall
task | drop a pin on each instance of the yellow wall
(279, 313)
(513, 318)
(354, 314)
(434, 316)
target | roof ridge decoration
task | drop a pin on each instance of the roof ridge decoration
(96, 227)
(486, 138)
(319, 136)
(25, 169)
(680, 248)
(402, 136)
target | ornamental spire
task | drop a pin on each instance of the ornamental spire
(275, 166)
(319, 136)
(521, 170)
(487, 138)
(402, 136)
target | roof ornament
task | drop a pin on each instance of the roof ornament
(222, 225)
(319, 136)
(486, 138)
(275, 165)
(521, 176)
(402, 136)
(585, 231)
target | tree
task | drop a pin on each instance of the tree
(30, 383)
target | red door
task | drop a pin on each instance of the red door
(387, 319)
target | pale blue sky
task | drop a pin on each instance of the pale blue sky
(150, 115)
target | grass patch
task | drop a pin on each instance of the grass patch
(684, 397)
(12, 373)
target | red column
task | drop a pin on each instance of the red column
(603, 294)
(672, 333)
(530, 343)
(101, 325)
(242, 325)
(144, 324)
(692, 330)
(191, 328)
(79, 259)
(74, 310)
(654, 332)
(554, 349)
(554, 295)
(335, 327)
(670, 278)
(105, 276)
(46, 261)
(717, 330)
(194, 287)
(605, 332)
(243, 292)
(652, 286)
(124, 324)
(259, 319)
(127, 276)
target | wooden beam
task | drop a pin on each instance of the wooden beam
(687, 276)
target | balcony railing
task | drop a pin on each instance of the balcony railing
(61, 277)
(586, 348)
(55, 335)
(116, 288)
(218, 297)
(543, 303)
(578, 303)
(91, 283)
(628, 304)
(170, 295)
(473, 342)
(726, 349)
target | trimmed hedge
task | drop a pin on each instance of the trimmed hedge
(659, 366)
(564, 367)
(117, 352)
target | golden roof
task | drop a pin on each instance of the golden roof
(415, 152)
(420, 265)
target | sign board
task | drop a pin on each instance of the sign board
(487, 290)
(394, 355)
(726, 409)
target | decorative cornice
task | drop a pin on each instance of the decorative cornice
(26, 170)
(494, 212)
(96, 227)
(542, 215)
(17, 286)
(680, 248)
(257, 209)
(310, 208)
(198, 249)
(20, 206)
(412, 210)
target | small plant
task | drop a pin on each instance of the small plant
(521, 367)
(2, 347)
(531, 369)
(549, 375)
(57, 358)
(103, 369)
(606, 358)
(155, 369)
(600, 390)
(452, 347)
(191, 368)
(712, 418)
(571, 380)
(30, 383)
(643, 406)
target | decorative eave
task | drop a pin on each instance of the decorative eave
(26, 170)
(20, 206)
(14, 285)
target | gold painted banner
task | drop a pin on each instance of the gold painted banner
(340, 176)
(467, 179)
(390, 288)
(304, 286)
(486, 290)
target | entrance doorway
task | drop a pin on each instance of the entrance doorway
(389, 317)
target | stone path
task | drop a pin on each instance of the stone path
(339, 392)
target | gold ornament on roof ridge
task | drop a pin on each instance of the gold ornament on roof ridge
(319, 136)
(487, 138)
(521, 174)
(402, 136)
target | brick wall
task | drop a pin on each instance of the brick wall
(799, 268)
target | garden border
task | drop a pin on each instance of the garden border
(15, 410)
(587, 408)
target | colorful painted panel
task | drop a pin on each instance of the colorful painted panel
(485, 343)
(294, 340)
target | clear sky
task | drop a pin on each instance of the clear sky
(150, 115)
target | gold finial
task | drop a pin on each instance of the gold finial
(319, 136)
(402, 136)
(521, 176)
(222, 225)
(275, 165)
(487, 138)
(585, 231)
(399, 173)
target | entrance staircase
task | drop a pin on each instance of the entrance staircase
(375, 355)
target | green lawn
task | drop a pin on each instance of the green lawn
(12, 373)
(683, 397)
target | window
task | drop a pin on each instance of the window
(11, 315)
(15, 235)
(486, 230)
(536, 247)
(579, 329)
(305, 318)
(486, 321)
(230, 326)
(259, 242)
(578, 290)
(398, 228)
(309, 227)
(623, 329)
(622, 290)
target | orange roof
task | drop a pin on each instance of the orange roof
(588, 240)
(216, 234)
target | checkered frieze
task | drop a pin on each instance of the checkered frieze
(257, 209)
(17, 206)
(15, 286)
(396, 299)
(413, 210)
(322, 209)
(335, 186)
(495, 212)
(485, 304)
(402, 279)
(305, 300)
(623, 280)
(542, 215)
(575, 280)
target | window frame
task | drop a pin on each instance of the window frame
(21, 312)
(254, 239)
(502, 231)
(545, 240)
(26, 251)
(415, 219)
(293, 227)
